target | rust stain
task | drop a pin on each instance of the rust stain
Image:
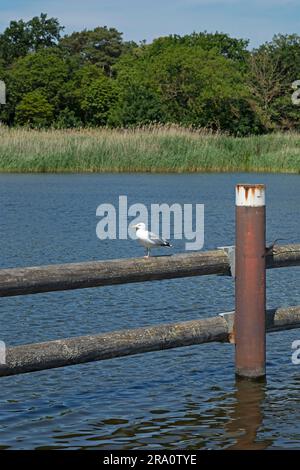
(250, 290)
(231, 336)
(250, 188)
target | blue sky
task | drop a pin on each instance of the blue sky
(257, 20)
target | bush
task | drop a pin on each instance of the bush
(34, 110)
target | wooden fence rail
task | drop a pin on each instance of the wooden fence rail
(33, 280)
(246, 328)
(78, 350)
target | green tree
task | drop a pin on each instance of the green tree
(274, 66)
(77, 92)
(94, 77)
(137, 104)
(14, 42)
(34, 110)
(223, 44)
(44, 70)
(266, 83)
(183, 85)
(22, 37)
(101, 46)
(67, 119)
(97, 100)
(44, 32)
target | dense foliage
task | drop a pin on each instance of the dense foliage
(95, 78)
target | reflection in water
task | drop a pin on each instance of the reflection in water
(247, 416)
(229, 420)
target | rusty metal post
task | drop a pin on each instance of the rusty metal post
(250, 283)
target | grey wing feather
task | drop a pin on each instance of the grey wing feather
(158, 240)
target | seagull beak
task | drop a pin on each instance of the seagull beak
(133, 226)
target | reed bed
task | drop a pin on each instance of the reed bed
(146, 149)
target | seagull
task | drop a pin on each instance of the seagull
(149, 239)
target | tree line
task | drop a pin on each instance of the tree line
(95, 78)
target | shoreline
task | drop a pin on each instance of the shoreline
(152, 149)
(154, 172)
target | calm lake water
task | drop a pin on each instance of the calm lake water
(178, 399)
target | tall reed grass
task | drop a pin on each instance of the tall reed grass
(146, 149)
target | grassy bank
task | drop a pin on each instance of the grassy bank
(156, 149)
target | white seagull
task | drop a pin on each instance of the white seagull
(149, 239)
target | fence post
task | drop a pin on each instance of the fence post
(250, 283)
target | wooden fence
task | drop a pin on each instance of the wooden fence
(70, 351)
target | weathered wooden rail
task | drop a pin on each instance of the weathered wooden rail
(79, 350)
(33, 280)
(246, 328)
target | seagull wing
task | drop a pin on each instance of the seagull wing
(157, 240)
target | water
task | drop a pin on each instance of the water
(178, 399)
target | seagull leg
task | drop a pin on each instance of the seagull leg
(148, 253)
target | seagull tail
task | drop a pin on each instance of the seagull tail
(167, 244)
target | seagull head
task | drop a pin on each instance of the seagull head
(140, 226)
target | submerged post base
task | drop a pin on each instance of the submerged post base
(251, 374)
